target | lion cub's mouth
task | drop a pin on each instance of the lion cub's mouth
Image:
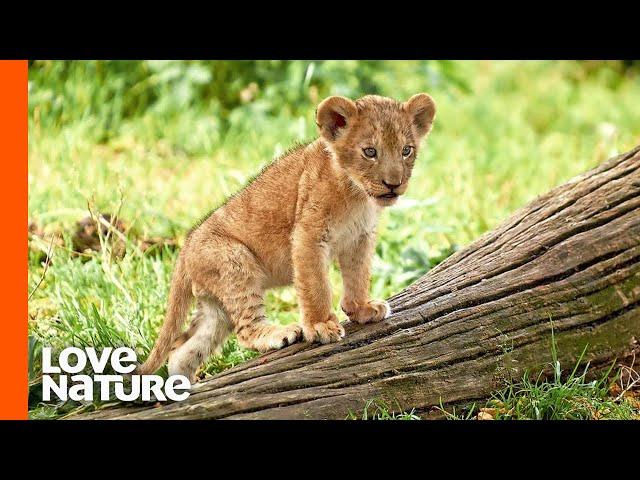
(386, 199)
(389, 195)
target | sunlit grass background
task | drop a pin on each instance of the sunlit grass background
(161, 143)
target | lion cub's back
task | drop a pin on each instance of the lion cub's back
(262, 214)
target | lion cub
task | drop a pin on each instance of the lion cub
(317, 203)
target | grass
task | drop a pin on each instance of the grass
(376, 409)
(147, 147)
(567, 395)
(572, 398)
(563, 397)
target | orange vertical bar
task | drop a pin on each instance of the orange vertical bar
(13, 239)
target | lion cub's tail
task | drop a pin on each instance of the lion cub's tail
(180, 298)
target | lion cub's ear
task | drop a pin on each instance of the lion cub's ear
(334, 115)
(422, 109)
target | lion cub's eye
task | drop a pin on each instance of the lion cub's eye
(406, 151)
(370, 152)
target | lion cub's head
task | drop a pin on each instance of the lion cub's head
(375, 139)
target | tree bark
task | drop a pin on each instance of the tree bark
(570, 261)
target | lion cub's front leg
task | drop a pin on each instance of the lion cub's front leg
(310, 256)
(355, 265)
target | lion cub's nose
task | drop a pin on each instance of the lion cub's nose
(391, 186)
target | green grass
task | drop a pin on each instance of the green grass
(563, 397)
(541, 398)
(575, 398)
(376, 409)
(566, 395)
(163, 143)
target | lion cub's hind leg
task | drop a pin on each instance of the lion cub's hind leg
(238, 280)
(263, 335)
(253, 329)
(208, 331)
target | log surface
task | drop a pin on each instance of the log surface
(570, 259)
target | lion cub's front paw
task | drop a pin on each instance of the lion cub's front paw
(372, 311)
(323, 332)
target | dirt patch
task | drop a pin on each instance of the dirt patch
(41, 244)
(90, 234)
(90, 231)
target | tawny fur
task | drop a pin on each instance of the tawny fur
(318, 203)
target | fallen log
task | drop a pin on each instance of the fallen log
(570, 261)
